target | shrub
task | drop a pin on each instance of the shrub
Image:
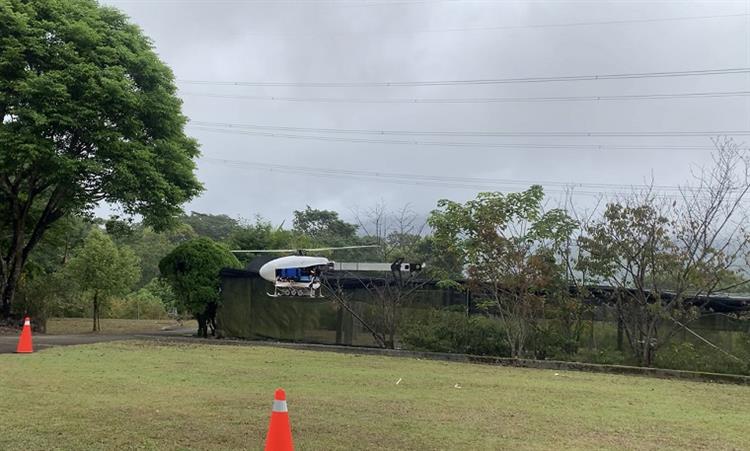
(445, 331)
(694, 357)
(550, 343)
(139, 305)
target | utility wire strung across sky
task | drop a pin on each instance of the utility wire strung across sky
(319, 3)
(683, 95)
(471, 183)
(488, 28)
(472, 133)
(481, 81)
(477, 144)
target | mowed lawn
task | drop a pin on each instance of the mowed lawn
(62, 326)
(144, 395)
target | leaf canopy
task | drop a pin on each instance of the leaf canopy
(89, 113)
(192, 269)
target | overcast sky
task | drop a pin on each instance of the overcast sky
(376, 41)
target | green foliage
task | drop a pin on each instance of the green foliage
(324, 227)
(151, 246)
(629, 235)
(700, 357)
(511, 249)
(101, 270)
(141, 304)
(89, 114)
(162, 290)
(442, 262)
(44, 290)
(58, 245)
(446, 331)
(101, 266)
(263, 235)
(192, 269)
(216, 227)
(48, 295)
(548, 341)
(636, 249)
(91, 106)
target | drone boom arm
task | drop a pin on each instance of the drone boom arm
(286, 251)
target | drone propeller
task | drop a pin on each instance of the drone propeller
(320, 249)
(317, 249)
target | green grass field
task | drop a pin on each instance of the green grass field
(60, 326)
(143, 395)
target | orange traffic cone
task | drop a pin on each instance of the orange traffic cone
(24, 343)
(279, 436)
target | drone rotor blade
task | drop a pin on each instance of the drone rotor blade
(286, 251)
(320, 249)
(263, 251)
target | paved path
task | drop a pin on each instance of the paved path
(41, 341)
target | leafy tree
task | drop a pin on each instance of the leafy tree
(192, 269)
(216, 227)
(150, 245)
(263, 235)
(43, 289)
(141, 304)
(163, 291)
(89, 114)
(59, 244)
(508, 245)
(658, 254)
(324, 227)
(101, 270)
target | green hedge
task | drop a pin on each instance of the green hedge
(447, 331)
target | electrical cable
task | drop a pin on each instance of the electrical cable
(475, 133)
(683, 95)
(589, 147)
(488, 81)
(474, 183)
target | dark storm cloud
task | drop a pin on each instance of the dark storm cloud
(335, 41)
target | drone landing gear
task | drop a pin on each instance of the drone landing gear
(303, 291)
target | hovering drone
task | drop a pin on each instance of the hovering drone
(300, 275)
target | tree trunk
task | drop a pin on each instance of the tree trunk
(96, 313)
(202, 325)
(6, 304)
(10, 285)
(21, 244)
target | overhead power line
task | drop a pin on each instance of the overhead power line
(477, 144)
(472, 133)
(683, 95)
(473, 183)
(480, 81)
(440, 178)
(487, 28)
(399, 179)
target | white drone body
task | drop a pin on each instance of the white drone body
(295, 275)
(300, 275)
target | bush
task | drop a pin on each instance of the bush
(445, 331)
(549, 343)
(139, 305)
(694, 357)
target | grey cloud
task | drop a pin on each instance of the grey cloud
(329, 42)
